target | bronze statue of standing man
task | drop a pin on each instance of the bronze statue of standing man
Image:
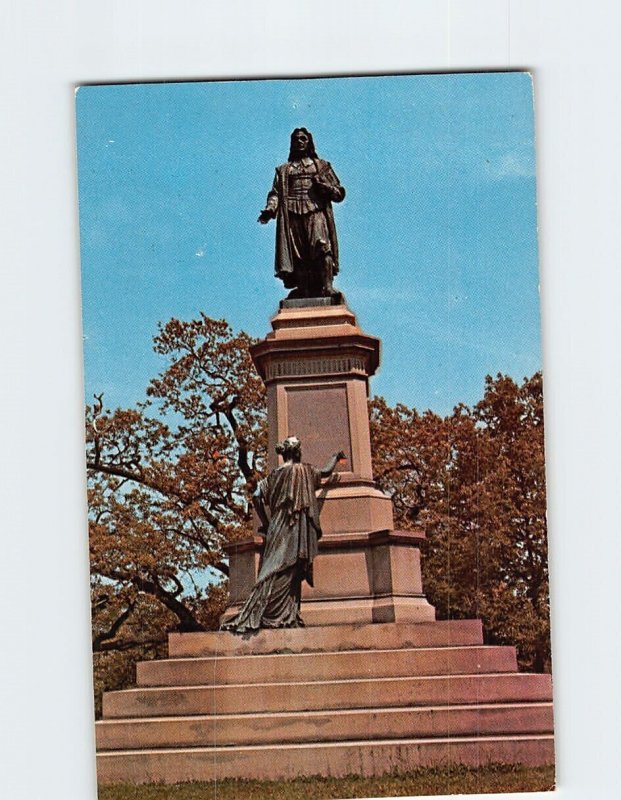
(307, 256)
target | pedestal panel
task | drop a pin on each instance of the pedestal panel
(304, 405)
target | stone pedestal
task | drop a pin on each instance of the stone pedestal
(316, 364)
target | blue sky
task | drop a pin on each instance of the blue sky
(437, 233)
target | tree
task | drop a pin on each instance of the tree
(169, 485)
(475, 480)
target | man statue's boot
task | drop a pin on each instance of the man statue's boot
(301, 288)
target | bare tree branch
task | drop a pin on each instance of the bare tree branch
(114, 628)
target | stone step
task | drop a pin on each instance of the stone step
(333, 694)
(287, 761)
(326, 666)
(384, 636)
(314, 726)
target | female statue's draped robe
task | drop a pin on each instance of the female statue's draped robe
(290, 548)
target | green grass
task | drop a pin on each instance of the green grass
(438, 780)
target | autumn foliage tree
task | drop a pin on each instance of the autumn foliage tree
(169, 485)
(475, 480)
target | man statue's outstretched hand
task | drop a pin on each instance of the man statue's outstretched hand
(265, 216)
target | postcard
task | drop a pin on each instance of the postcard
(314, 437)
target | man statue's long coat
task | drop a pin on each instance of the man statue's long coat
(284, 265)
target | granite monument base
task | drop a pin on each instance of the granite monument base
(374, 684)
(331, 700)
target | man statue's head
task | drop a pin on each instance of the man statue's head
(302, 145)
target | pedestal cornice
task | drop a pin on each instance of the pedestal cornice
(315, 341)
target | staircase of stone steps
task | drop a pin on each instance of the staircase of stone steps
(362, 699)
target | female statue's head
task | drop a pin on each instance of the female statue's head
(290, 449)
(302, 145)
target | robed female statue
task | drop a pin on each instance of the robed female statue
(291, 536)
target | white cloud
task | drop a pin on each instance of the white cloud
(511, 165)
